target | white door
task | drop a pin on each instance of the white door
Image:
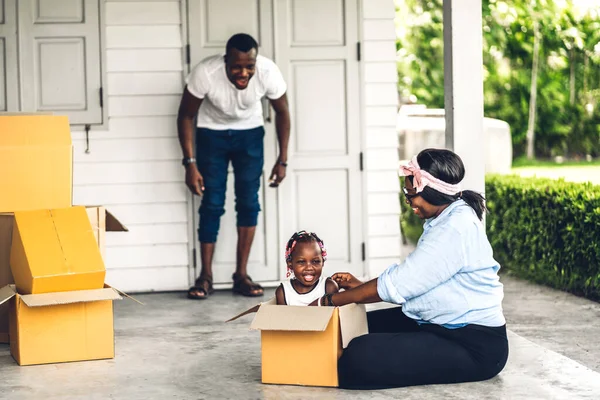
(211, 23)
(314, 44)
(60, 43)
(316, 48)
(8, 56)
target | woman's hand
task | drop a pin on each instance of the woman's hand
(346, 280)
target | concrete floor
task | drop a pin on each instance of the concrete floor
(173, 348)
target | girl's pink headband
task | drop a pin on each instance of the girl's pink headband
(423, 178)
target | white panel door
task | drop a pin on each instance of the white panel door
(60, 58)
(211, 23)
(316, 50)
(9, 94)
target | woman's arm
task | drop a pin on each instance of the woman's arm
(363, 294)
(331, 286)
(280, 296)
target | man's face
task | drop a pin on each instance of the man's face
(240, 67)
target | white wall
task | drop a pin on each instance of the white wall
(380, 104)
(134, 167)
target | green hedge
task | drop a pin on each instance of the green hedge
(543, 230)
(546, 231)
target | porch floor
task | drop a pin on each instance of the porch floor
(174, 348)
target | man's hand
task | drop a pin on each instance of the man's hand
(277, 175)
(282, 127)
(194, 180)
(346, 280)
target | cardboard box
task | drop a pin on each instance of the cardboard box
(36, 160)
(6, 228)
(320, 333)
(55, 251)
(61, 327)
(101, 221)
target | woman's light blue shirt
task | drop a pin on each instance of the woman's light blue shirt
(451, 278)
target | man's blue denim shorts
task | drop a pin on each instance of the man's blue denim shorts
(214, 150)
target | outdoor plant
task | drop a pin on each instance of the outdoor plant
(411, 225)
(546, 231)
(543, 230)
(541, 69)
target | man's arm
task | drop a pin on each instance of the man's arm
(188, 108)
(282, 127)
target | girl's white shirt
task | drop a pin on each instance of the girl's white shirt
(293, 298)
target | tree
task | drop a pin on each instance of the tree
(533, 90)
(564, 118)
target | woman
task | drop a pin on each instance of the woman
(450, 327)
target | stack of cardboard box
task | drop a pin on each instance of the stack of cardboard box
(59, 308)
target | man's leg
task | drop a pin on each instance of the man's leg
(207, 250)
(247, 163)
(211, 153)
(245, 239)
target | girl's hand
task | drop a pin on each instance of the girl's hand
(346, 280)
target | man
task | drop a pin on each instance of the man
(225, 92)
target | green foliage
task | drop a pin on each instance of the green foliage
(546, 231)
(566, 123)
(411, 225)
(523, 162)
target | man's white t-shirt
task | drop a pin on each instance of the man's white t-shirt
(226, 107)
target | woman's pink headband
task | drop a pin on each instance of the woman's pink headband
(423, 178)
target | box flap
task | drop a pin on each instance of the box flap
(34, 130)
(113, 224)
(78, 296)
(291, 318)
(7, 293)
(55, 251)
(122, 293)
(271, 301)
(353, 322)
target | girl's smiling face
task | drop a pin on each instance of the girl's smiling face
(307, 263)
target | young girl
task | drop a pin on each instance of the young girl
(305, 255)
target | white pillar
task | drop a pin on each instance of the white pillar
(463, 87)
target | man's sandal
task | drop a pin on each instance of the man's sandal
(243, 284)
(201, 290)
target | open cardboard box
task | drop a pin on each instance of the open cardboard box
(55, 251)
(319, 333)
(36, 160)
(60, 327)
(101, 220)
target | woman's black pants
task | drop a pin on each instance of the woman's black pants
(398, 352)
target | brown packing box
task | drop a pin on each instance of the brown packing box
(36, 160)
(101, 220)
(55, 251)
(60, 327)
(6, 228)
(320, 332)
